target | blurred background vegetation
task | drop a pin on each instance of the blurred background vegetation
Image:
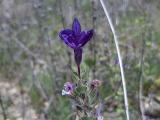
(34, 60)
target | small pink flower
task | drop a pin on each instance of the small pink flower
(95, 83)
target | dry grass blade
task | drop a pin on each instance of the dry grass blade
(119, 58)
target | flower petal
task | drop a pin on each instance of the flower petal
(65, 92)
(67, 36)
(76, 27)
(85, 37)
(78, 55)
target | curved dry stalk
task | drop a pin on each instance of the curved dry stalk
(141, 82)
(119, 58)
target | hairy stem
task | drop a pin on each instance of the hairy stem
(119, 58)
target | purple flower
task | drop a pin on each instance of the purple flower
(76, 39)
(68, 88)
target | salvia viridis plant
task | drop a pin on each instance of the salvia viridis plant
(83, 93)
